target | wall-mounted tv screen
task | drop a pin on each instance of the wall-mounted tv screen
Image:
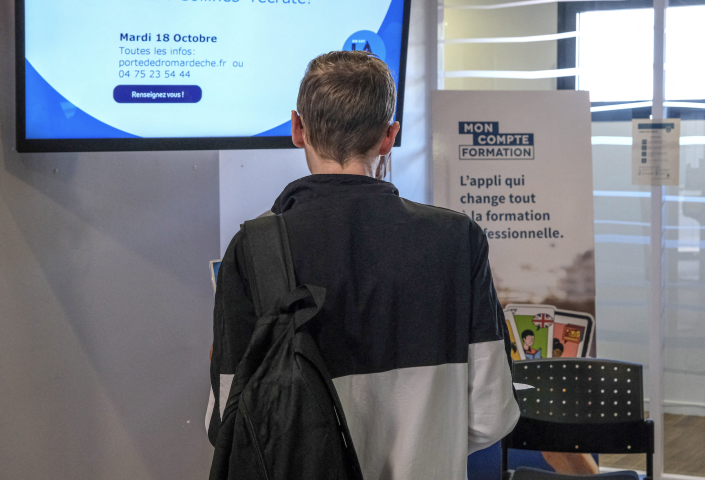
(183, 74)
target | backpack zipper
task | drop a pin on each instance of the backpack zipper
(251, 428)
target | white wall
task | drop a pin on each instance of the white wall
(105, 306)
(503, 22)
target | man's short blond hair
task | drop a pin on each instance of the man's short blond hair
(346, 101)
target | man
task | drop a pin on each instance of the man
(411, 331)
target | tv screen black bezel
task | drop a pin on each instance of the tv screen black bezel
(25, 145)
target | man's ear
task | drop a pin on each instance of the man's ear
(389, 138)
(297, 130)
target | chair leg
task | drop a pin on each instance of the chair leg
(650, 453)
(504, 455)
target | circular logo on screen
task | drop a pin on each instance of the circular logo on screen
(366, 41)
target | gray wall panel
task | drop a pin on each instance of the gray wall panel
(105, 307)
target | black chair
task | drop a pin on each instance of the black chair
(580, 405)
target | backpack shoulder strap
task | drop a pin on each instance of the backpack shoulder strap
(268, 261)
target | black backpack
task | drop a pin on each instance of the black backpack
(283, 418)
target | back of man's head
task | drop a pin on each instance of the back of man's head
(346, 102)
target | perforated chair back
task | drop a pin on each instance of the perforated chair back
(581, 405)
(527, 473)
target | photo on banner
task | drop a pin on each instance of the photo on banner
(535, 326)
(573, 333)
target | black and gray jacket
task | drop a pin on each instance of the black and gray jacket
(411, 332)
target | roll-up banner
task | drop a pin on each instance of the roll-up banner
(520, 165)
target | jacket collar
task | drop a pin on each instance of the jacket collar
(314, 187)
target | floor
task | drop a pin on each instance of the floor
(684, 438)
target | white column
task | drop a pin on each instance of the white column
(656, 314)
(440, 51)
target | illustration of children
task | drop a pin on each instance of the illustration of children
(557, 348)
(528, 338)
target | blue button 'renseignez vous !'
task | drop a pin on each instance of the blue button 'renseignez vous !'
(157, 94)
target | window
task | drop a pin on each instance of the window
(615, 66)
